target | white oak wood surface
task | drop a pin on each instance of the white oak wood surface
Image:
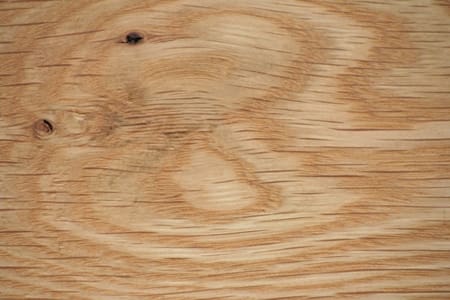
(248, 149)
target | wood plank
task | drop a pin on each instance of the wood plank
(251, 149)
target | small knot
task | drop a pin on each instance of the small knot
(133, 38)
(43, 128)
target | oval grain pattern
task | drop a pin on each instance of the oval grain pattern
(181, 149)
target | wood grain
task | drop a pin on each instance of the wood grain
(251, 149)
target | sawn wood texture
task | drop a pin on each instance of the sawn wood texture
(250, 149)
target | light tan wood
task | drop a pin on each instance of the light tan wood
(251, 149)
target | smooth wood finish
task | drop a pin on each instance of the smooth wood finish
(251, 149)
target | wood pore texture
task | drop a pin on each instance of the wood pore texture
(251, 149)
